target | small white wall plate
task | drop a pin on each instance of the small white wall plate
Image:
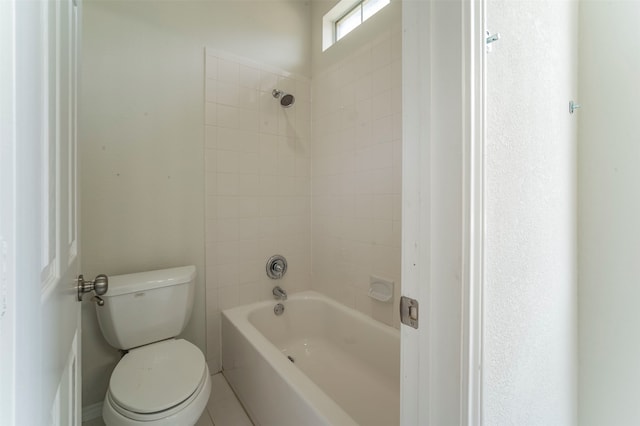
(380, 289)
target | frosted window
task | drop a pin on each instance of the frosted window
(356, 16)
(371, 7)
(348, 22)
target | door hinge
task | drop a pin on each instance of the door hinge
(409, 311)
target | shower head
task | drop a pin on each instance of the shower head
(286, 99)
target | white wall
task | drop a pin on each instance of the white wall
(609, 212)
(258, 191)
(142, 136)
(530, 359)
(357, 161)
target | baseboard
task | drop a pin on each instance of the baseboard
(92, 411)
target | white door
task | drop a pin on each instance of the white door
(443, 62)
(59, 308)
(40, 255)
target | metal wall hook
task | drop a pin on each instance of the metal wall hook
(492, 37)
(573, 106)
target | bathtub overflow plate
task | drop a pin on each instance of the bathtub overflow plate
(278, 309)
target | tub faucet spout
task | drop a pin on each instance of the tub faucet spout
(279, 293)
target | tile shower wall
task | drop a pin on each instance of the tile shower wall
(356, 180)
(257, 166)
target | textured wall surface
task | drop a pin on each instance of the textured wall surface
(258, 167)
(530, 289)
(609, 212)
(357, 163)
(142, 136)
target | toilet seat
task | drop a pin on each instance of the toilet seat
(156, 377)
(148, 417)
(159, 380)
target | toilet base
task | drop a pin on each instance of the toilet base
(187, 415)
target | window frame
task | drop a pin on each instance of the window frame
(331, 20)
(336, 23)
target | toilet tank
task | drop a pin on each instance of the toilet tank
(147, 307)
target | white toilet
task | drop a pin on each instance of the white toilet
(161, 380)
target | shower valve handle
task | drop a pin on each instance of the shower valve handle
(276, 267)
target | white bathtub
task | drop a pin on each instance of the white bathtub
(345, 369)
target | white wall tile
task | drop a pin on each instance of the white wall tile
(382, 130)
(211, 67)
(381, 78)
(226, 94)
(213, 331)
(227, 207)
(378, 156)
(286, 84)
(226, 252)
(226, 161)
(227, 276)
(363, 88)
(363, 62)
(253, 291)
(228, 297)
(211, 205)
(249, 184)
(268, 81)
(227, 229)
(210, 138)
(381, 53)
(248, 208)
(268, 107)
(258, 183)
(211, 114)
(248, 162)
(228, 116)
(250, 272)
(228, 71)
(303, 91)
(248, 98)
(270, 170)
(378, 181)
(210, 160)
(354, 175)
(211, 94)
(250, 118)
(381, 103)
(248, 77)
(227, 184)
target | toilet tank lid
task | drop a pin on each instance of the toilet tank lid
(143, 281)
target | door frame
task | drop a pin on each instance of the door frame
(21, 86)
(443, 210)
(7, 213)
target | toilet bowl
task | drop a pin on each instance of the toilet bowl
(161, 380)
(164, 383)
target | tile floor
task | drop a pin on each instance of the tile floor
(223, 408)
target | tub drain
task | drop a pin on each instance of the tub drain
(291, 358)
